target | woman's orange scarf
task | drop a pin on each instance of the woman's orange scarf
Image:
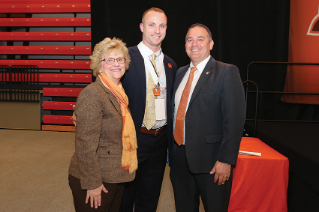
(129, 143)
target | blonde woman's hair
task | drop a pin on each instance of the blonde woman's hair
(104, 48)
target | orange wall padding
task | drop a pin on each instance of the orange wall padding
(303, 47)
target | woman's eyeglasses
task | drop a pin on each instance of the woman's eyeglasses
(111, 60)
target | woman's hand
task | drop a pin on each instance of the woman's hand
(95, 196)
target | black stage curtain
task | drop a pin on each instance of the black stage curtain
(243, 31)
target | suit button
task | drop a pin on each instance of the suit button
(108, 152)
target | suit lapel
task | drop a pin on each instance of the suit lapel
(169, 74)
(111, 96)
(140, 70)
(209, 68)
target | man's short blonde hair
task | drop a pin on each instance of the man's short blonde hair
(103, 49)
(155, 9)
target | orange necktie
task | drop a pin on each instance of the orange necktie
(180, 116)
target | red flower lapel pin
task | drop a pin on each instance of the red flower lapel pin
(169, 65)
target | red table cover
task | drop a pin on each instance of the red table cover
(259, 183)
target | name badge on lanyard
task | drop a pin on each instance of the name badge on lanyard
(157, 91)
(160, 109)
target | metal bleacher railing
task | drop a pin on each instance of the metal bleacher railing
(19, 83)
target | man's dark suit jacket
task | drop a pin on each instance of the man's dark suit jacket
(134, 83)
(214, 120)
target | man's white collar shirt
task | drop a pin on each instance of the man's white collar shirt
(147, 56)
(149, 69)
(200, 67)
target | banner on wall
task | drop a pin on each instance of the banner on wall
(303, 47)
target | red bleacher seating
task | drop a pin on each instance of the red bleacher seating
(44, 8)
(57, 119)
(67, 92)
(47, 77)
(50, 50)
(65, 78)
(54, 105)
(46, 22)
(19, 77)
(50, 64)
(45, 36)
(41, 1)
(50, 122)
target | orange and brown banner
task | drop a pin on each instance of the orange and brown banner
(303, 47)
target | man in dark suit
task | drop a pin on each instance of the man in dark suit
(146, 73)
(209, 115)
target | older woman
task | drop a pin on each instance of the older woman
(105, 140)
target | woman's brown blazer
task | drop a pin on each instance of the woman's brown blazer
(98, 138)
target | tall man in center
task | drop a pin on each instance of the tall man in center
(149, 84)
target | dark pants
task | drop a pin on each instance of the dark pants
(145, 189)
(110, 201)
(188, 187)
